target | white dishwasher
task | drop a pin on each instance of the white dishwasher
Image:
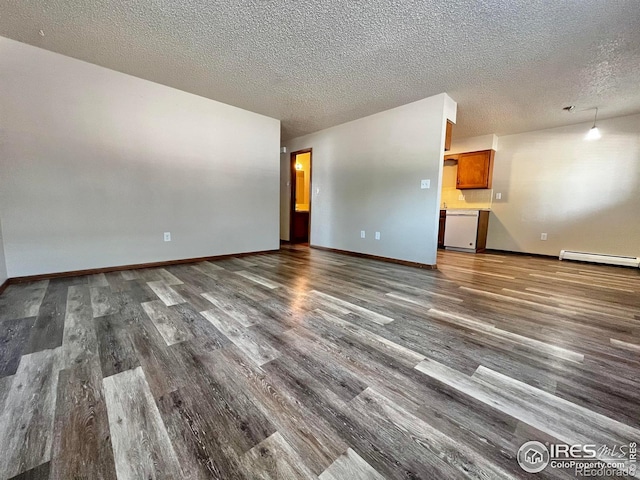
(461, 231)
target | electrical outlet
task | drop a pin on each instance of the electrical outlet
(543, 236)
(377, 235)
(498, 196)
(362, 234)
(167, 236)
(461, 197)
(425, 183)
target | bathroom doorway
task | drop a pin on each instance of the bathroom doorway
(300, 215)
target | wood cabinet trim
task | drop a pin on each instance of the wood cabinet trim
(483, 228)
(447, 137)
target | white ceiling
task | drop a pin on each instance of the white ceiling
(510, 64)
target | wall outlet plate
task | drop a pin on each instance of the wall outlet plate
(498, 196)
(461, 197)
(543, 236)
(362, 234)
(425, 183)
(377, 235)
(167, 236)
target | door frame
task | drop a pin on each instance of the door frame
(292, 190)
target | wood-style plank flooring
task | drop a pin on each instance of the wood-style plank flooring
(310, 364)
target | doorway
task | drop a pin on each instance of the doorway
(300, 213)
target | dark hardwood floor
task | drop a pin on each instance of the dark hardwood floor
(310, 364)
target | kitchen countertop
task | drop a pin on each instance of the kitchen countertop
(470, 209)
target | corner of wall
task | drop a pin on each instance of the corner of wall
(285, 196)
(361, 174)
(494, 142)
(450, 108)
(4, 275)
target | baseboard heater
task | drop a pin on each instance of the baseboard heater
(600, 258)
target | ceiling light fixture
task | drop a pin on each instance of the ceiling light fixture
(593, 133)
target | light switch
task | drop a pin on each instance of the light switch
(498, 196)
(362, 234)
(425, 183)
(377, 235)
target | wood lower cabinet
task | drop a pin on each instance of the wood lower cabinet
(442, 225)
(300, 230)
(475, 169)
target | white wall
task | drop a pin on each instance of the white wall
(584, 194)
(366, 176)
(3, 265)
(96, 165)
(473, 144)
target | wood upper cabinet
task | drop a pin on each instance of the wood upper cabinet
(475, 169)
(447, 138)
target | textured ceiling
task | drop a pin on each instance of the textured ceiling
(510, 64)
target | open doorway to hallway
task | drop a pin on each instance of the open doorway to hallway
(300, 218)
